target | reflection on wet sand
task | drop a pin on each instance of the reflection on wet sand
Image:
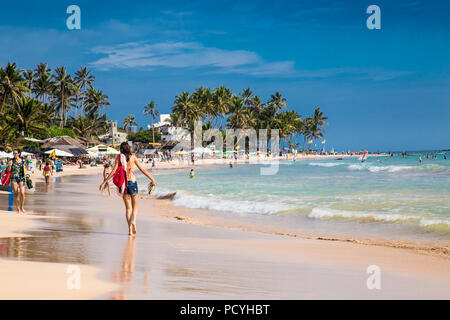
(12, 247)
(124, 277)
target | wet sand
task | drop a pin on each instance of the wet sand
(21, 279)
(173, 258)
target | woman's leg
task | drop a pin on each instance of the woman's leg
(127, 201)
(22, 196)
(134, 204)
(15, 187)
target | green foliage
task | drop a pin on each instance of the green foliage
(144, 136)
(42, 103)
(55, 131)
(31, 144)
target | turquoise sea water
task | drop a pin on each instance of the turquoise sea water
(392, 196)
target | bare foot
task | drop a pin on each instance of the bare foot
(133, 226)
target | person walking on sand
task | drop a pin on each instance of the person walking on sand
(46, 172)
(127, 161)
(17, 168)
(106, 172)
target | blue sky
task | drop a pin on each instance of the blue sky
(385, 89)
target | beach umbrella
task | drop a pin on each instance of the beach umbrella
(93, 154)
(6, 155)
(112, 151)
(58, 153)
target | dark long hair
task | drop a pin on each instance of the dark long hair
(19, 153)
(126, 150)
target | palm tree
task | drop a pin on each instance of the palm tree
(129, 121)
(306, 130)
(12, 85)
(315, 132)
(256, 104)
(64, 93)
(188, 111)
(95, 101)
(246, 96)
(221, 100)
(42, 70)
(29, 77)
(242, 117)
(174, 120)
(319, 119)
(203, 99)
(150, 110)
(277, 101)
(89, 126)
(43, 87)
(287, 122)
(83, 80)
(27, 118)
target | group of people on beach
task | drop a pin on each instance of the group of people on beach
(126, 163)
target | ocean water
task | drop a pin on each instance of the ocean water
(393, 197)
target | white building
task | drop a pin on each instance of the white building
(114, 136)
(169, 133)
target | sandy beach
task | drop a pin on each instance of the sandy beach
(22, 279)
(181, 253)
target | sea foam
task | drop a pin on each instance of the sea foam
(325, 164)
(218, 204)
(327, 213)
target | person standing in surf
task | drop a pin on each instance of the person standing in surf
(129, 191)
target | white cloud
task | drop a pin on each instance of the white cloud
(195, 55)
(186, 55)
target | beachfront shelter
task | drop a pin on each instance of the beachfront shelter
(59, 153)
(66, 144)
(102, 150)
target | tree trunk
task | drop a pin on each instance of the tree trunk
(3, 103)
(192, 139)
(153, 129)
